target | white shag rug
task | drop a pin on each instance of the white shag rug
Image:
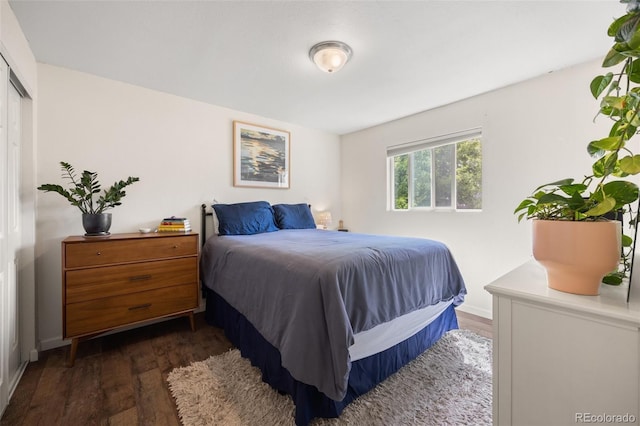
(449, 384)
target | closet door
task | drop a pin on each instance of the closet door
(5, 269)
(14, 234)
(11, 362)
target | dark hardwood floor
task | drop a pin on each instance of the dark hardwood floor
(120, 379)
(479, 325)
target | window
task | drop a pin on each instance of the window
(438, 173)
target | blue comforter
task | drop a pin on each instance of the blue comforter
(308, 291)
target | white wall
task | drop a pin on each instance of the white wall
(533, 133)
(181, 150)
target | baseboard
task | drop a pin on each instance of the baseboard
(475, 311)
(53, 342)
(56, 342)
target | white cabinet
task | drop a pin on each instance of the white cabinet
(563, 359)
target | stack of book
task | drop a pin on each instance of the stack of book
(174, 224)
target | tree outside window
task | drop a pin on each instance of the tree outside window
(438, 175)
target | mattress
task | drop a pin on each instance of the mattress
(386, 335)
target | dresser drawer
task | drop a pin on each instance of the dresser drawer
(103, 314)
(107, 281)
(105, 252)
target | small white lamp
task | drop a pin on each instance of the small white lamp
(324, 219)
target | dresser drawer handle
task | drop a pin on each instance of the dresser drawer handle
(145, 306)
(140, 277)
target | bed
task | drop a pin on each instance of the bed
(325, 315)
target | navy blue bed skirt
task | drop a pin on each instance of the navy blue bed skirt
(365, 373)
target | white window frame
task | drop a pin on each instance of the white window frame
(414, 146)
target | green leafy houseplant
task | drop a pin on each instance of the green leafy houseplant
(604, 193)
(83, 190)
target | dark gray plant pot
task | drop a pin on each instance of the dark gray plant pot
(96, 224)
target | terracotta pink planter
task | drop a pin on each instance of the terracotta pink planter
(577, 255)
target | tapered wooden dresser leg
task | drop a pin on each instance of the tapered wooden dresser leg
(192, 321)
(72, 352)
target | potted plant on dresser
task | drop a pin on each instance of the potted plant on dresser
(578, 225)
(82, 192)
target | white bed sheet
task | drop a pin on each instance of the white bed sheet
(384, 336)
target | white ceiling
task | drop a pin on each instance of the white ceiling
(409, 56)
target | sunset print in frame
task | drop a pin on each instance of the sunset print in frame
(260, 156)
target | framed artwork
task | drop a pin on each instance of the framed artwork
(260, 156)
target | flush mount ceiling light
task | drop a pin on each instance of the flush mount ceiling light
(330, 56)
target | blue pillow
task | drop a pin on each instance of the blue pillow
(294, 216)
(245, 218)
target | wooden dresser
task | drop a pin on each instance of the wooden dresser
(123, 279)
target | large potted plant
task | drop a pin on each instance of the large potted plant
(575, 232)
(82, 193)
